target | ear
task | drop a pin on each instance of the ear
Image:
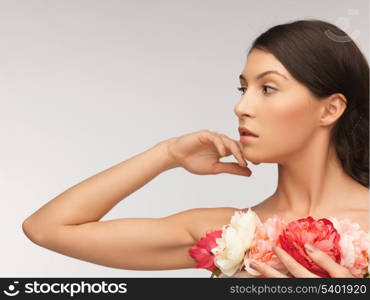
(332, 108)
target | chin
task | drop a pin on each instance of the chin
(249, 157)
(255, 162)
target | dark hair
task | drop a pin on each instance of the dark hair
(326, 60)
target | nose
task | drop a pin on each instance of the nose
(242, 108)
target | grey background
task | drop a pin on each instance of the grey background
(87, 84)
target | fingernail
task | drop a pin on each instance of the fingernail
(274, 248)
(310, 247)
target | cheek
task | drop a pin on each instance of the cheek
(284, 130)
(287, 128)
(286, 122)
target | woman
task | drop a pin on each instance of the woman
(306, 99)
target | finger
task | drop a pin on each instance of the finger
(231, 168)
(234, 149)
(294, 267)
(240, 146)
(326, 262)
(228, 146)
(266, 270)
(219, 144)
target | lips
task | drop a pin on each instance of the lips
(247, 139)
(247, 134)
(244, 131)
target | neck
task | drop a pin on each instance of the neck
(312, 184)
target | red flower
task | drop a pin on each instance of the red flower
(201, 251)
(320, 233)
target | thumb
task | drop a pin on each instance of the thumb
(232, 168)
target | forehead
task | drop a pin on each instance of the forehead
(259, 61)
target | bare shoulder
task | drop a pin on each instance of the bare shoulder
(200, 220)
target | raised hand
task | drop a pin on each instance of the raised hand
(199, 153)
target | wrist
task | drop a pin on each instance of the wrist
(168, 159)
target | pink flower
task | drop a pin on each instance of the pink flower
(201, 251)
(354, 243)
(320, 233)
(261, 250)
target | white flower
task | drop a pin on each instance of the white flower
(236, 239)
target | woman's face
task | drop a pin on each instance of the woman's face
(279, 109)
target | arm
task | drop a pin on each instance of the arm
(91, 199)
(69, 223)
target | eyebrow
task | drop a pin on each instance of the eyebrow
(259, 76)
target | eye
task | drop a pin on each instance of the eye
(241, 89)
(264, 87)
